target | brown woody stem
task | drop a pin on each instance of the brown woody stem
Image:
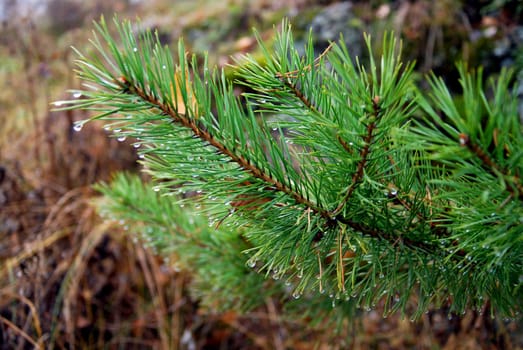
(515, 187)
(203, 134)
(364, 153)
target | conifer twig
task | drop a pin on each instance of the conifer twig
(206, 136)
(344, 144)
(364, 153)
(285, 80)
(492, 166)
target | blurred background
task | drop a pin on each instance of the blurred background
(69, 280)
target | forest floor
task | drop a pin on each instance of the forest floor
(69, 279)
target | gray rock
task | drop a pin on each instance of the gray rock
(334, 20)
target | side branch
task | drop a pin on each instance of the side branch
(364, 154)
(515, 188)
(203, 134)
(286, 82)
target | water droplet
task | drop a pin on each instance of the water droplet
(263, 101)
(121, 138)
(156, 188)
(78, 126)
(251, 263)
(77, 94)
(274, 129)
(381, 276)
(296, 295)
(135, 49)
(351, 144)
(164, 67)
(141, 156)
(117, 130)
(136, 145)
(58, 103)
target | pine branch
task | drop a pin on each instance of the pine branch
(333, 216)
(418, 216)
(274, 185)
(358, 175)
(515, 187)
(199, 131)
(286, 82)
(179, 233)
